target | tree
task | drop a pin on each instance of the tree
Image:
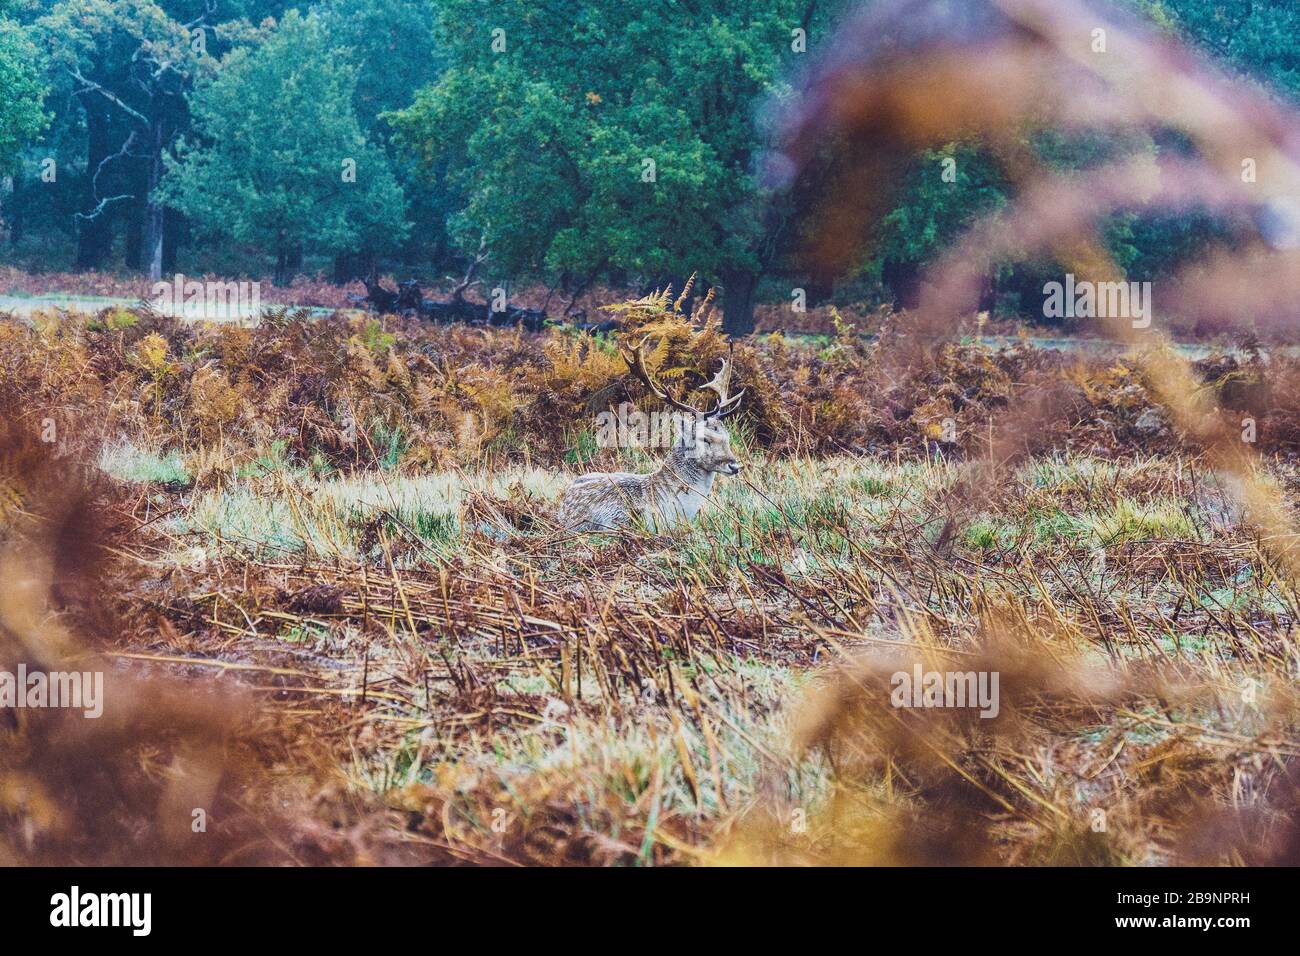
(21, 117)
(393, 47)
(941, 192)
(129, 64)
(279, 160)
(1254, 37)
(583, 138)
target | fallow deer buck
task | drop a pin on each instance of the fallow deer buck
(676, 490)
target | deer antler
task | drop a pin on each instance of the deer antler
(636, 362)
(721, 384)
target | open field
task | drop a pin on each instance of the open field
(636, 698)
(339, 616)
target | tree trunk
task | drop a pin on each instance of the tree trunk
(173, 234)
(819, 291)
(351, 266)
(989, 292)
(154, 215)
(95, 235)
(281, 267)
(738, 302)
(15, 211)
(133, 254)
(904, 281)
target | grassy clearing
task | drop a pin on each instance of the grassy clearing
(348, 523)
(636, 698)
(129, 463)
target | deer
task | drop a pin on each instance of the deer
(674, 492)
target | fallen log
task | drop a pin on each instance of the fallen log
(410, 300)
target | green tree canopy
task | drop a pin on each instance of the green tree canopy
(584, 137)
(279, 160)
(21, 116)
(394, 47)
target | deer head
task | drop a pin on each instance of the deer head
(702, 438)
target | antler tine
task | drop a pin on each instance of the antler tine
(721, 384)
(636, 362)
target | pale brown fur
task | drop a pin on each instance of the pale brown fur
(663, 498)
(677, 489)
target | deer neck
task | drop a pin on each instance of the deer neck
(681, 473)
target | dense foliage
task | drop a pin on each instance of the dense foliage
(336, 394)
(284, 164)
(571, 146)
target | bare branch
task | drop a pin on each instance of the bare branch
(94, 181)
(121, 153)
(103, 204)
(480, 257)
(90, 86)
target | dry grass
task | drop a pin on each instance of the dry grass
(347, 522)
(427, 669)
(638, 699)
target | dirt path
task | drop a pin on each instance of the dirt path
(27, 305)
